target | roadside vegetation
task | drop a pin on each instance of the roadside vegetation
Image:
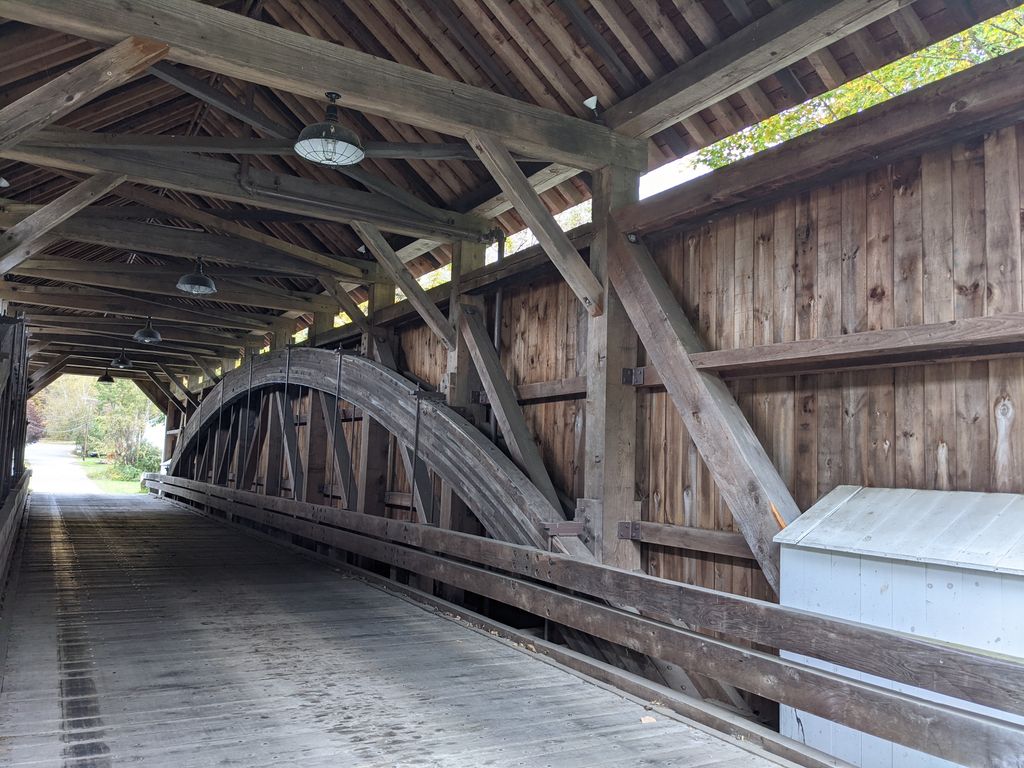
(107, 424)
(996, 36)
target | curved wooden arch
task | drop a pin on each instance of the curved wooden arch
(504, 499)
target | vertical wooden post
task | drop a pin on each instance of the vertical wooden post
(373, 445)
(249, 421)
(315, 449)
(461, 378)
(610, 447)
(284, 329)
(322, 323)
(172, 428)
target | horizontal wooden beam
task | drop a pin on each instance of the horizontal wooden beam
(174, 241)
(260, 188)
(41, 322)
(20, 242)
(242, 145)
(687, 537)
(358, 270)
(77, 86)
(105, 341)
(969, 103)
(103, 357)
(970, 338)
(144, 212)
(256, 52)
(162, 282)
(975, 675)
(759, 49)
(71, 297)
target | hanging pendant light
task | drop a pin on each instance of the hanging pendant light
(328, 143)
(197, 283)
(106, 378)
(121, 361)
(148, 334)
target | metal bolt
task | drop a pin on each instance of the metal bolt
(633, 237)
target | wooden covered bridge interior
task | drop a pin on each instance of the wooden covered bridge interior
(528, 516)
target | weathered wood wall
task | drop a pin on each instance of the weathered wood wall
(927, 239)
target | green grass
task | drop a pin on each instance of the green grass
(96, 470)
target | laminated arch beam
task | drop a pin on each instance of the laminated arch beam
(504, 499)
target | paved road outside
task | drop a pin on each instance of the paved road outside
(55, 469)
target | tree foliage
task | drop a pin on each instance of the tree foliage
(984, 41)
(109, 419)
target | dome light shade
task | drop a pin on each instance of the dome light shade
(328, 143)
(121, 361)
(197, 283)
(148, 334)
(105, 378)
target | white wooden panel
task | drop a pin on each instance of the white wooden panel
(983, 609)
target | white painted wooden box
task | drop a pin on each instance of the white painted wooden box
(942, 564)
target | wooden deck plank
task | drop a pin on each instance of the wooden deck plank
(141, 632)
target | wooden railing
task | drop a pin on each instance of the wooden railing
(11, 513)
(669, 619)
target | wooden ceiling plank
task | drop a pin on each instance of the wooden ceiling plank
(911, 29)
(574, 56)
(434, 36)
(554, 241)
(61, 95)
(867, 51)
(828, 68)
(371, 182)
(710, 35)
(477, 55)
(782, 37)
(664, 30)
(629, 36)
(237, 46)
(537, 89)
(598, 44)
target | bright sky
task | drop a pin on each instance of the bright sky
(671, 175)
